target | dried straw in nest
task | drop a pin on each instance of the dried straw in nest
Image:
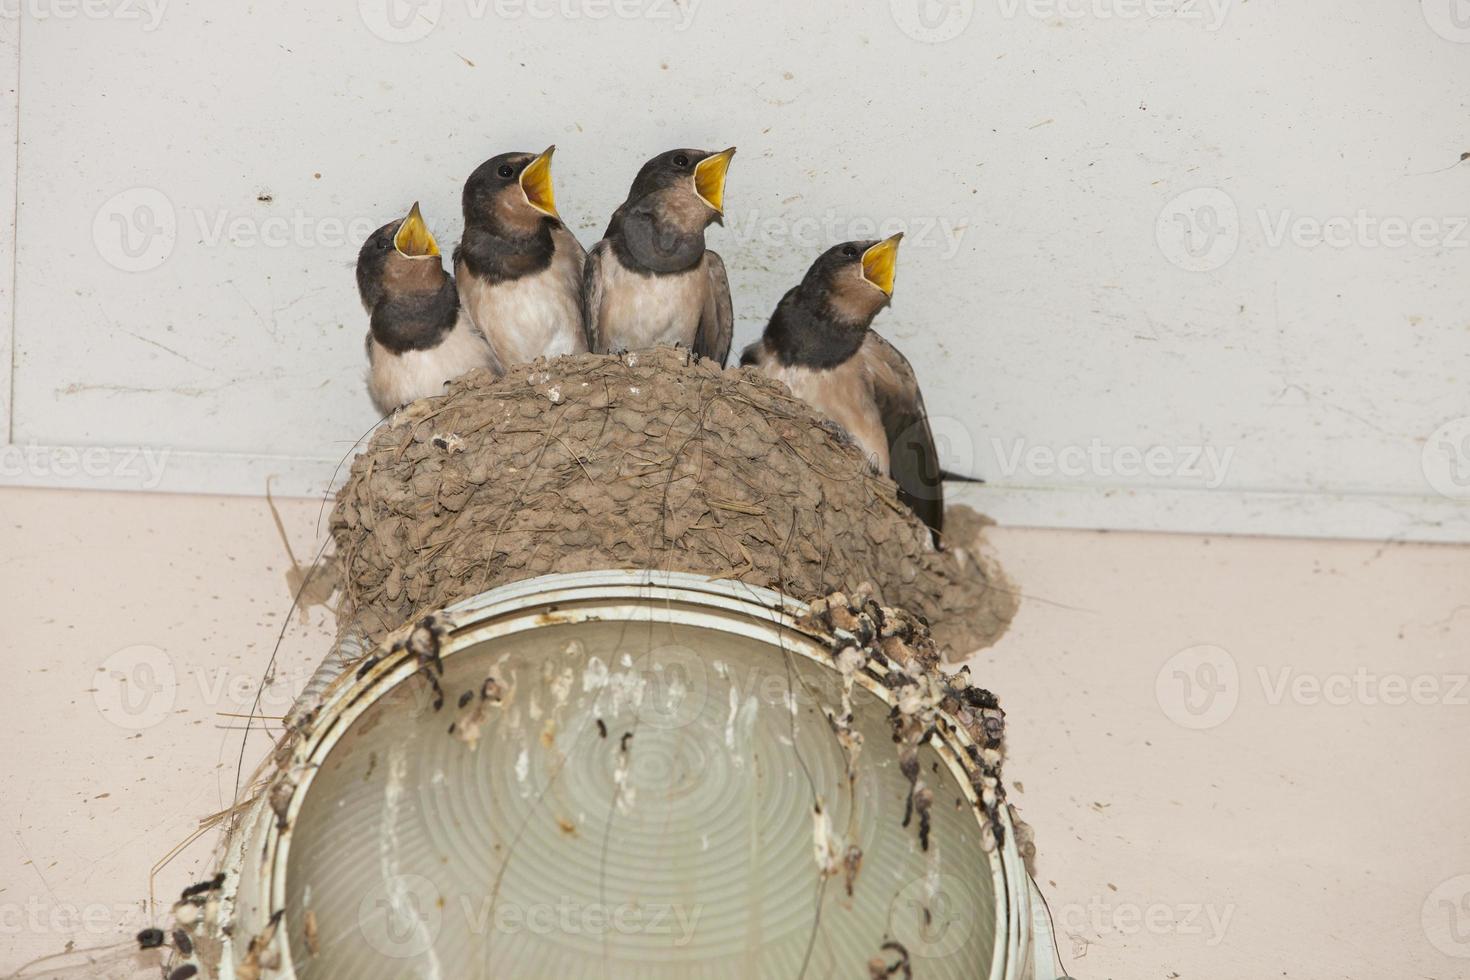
(644, 461)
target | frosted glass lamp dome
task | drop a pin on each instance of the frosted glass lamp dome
(625, 779)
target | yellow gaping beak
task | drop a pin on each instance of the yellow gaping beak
(880, 262)
(709, 178)
(536, 184)
(413, 238)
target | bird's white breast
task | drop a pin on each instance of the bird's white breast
(843, 394)
(645, 311)
(396, 379)
(538, 315)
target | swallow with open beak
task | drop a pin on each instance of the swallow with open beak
(518, 267)
(820, 345)
(420, 337)
(651, 280)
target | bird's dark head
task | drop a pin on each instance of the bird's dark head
(511, 194)
(687, 187)
(824, 319)
(855, 279)
(399, 258)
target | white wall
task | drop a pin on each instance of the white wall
(1047, 293)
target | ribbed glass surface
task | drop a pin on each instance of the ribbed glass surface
(639, 804)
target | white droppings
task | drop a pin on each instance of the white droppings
(523, 765)
(626, 688)
(826, 848)
(404, 903)
(452, 442)
(625, 793)
(561, 686)
(392, 800)
(730, 723)
(594, 677)
(675, 692)
(740, 725)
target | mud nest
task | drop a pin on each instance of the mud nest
(644, 461)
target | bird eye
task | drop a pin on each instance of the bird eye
(680, 160)
(506, 170)
(850, 251)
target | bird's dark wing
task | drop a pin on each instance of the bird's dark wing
(717, 320)
(592, 295)
(913, 461)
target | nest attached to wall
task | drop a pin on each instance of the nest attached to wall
(648, 460)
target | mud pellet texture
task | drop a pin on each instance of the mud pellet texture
(644, 461)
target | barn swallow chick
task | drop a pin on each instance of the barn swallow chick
(420, 336)
(820, 345)
(519, 269)
(650, 280)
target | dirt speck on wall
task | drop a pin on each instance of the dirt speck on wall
(645, 461)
